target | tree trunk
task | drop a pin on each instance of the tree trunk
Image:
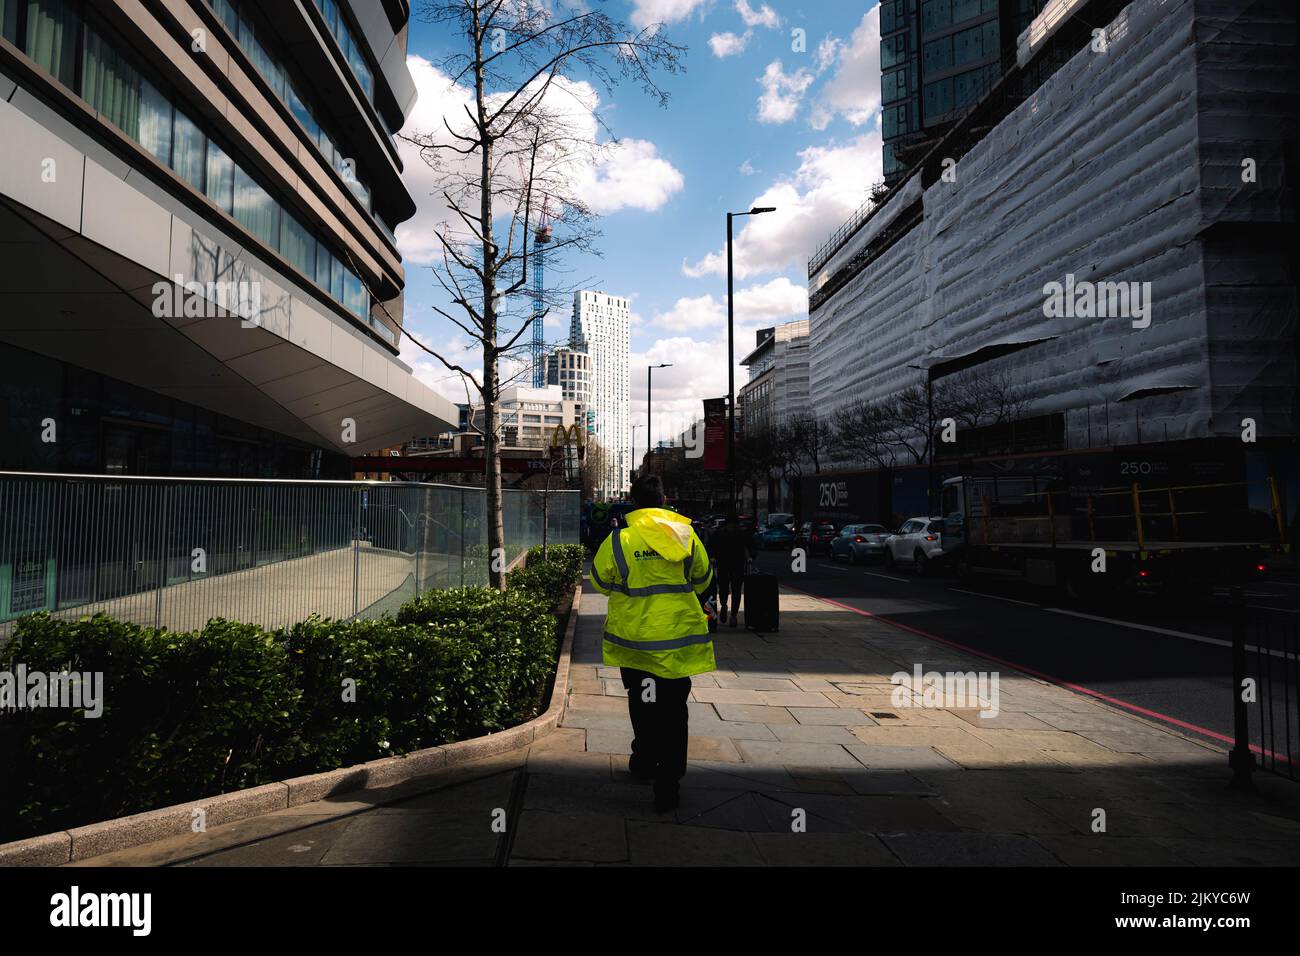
(491, 384)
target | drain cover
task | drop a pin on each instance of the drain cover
(885, 714)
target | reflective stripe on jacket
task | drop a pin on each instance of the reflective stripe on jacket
(652, 571)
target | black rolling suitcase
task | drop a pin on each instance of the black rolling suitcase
(762, 607)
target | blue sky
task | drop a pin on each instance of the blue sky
(761, 115)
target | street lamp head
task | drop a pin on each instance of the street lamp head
(663, 365)
(759, 210)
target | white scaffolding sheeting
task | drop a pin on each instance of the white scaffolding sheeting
(1111, 172)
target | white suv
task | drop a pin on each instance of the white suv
(918, 543)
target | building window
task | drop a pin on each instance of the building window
(893, 86)
(893, 16)
(965, 9)
(938, 99)
(52, 29)
(9, 20)
(187, 154)
(935, 14)
(220, 186)
(895, 120)
(893, 50)
(349, 44)
(254, 207)
(936, 55)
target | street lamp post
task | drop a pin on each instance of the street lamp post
(649, 435)
(731, 356)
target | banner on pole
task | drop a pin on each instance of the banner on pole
(715, 434)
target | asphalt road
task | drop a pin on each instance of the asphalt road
(1167, 661)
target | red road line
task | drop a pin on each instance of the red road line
(1079, 688)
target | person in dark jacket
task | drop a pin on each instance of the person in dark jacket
(731, 549)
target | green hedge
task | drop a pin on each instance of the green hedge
(188, 715)
(551, 576)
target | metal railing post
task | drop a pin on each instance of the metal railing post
(358, 494)
(1137, 517)
(162, 571)
(1240, 759)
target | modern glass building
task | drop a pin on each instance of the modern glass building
(937, 59)
(198, 201)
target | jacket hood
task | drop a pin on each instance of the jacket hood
(666, 531)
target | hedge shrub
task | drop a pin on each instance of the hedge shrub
(183, 715)
(188, 715)
(553, 576)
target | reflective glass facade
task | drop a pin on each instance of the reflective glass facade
(277, 68)
(107, 426)
(938, 58)
(108, 76)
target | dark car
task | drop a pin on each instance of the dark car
(773, 538)
(815, 537)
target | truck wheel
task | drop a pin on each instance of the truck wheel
(853, 555)
(921, 563)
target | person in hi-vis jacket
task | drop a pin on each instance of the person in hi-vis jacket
(655, 630)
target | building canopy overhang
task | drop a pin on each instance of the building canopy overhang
(290, 368)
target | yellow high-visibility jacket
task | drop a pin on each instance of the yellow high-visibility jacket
(652, 571)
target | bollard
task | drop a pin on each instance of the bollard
(1240, 759)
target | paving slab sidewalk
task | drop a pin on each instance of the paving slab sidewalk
(801, 754)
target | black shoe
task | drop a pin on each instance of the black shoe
(667, 800)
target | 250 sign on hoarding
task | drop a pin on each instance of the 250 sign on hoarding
(833, 494)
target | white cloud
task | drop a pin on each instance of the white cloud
(724, 45)
(746, 168)
(629, 173)
(649, 12)
(828, 187)
(782, 92)
(433, 373)
(765, 16)
(774, 301)
(698, 352)
(853, 92)
(699, 371)
(827, 51)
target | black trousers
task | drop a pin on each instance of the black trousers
(729, 580)
(659, 725)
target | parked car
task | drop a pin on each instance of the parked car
(918, 543)
(815, 537)
(781, 520)
(859, 542)
(778, 537)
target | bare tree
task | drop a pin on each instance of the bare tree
(980, 397)
(526, 132)
(811, 438)
(860, 429)
(880, 432)
(594, 463)
(756, 456)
